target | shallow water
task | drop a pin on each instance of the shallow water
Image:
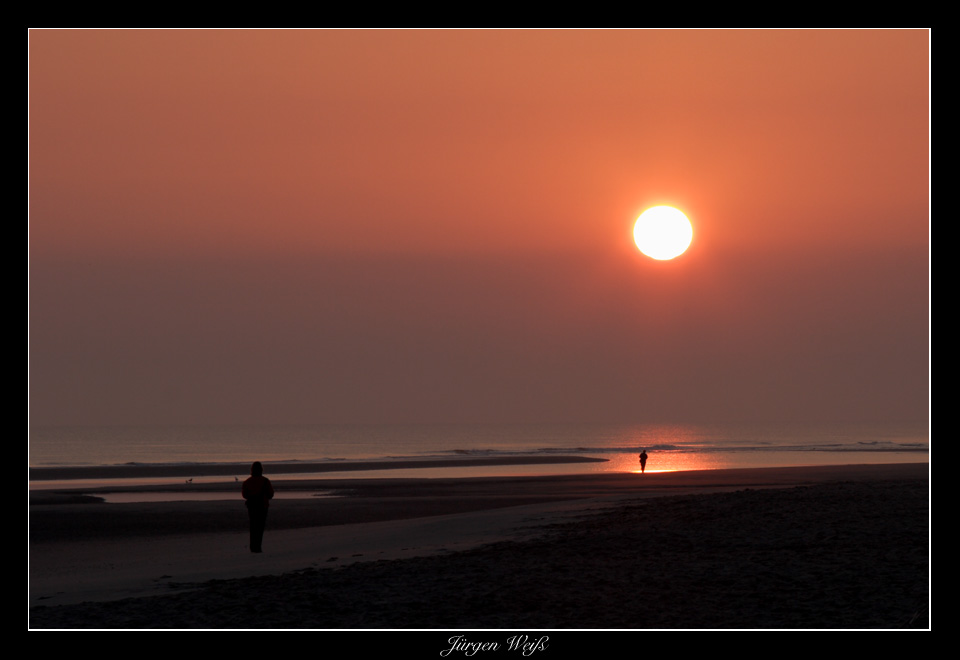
(670, 448)
(54, 446)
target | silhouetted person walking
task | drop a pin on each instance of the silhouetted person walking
(643, 461)
(257, 491)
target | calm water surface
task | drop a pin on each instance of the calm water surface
(671, 447)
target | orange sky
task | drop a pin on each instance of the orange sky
(413, 225)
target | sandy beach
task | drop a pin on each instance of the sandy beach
(823, 547)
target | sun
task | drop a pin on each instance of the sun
(662, 232)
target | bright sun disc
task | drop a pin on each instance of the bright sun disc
(662, 232)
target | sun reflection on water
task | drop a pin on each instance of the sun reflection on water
(667, 462)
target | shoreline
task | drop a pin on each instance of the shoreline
(596, 481)
(135, 471)
(68, 515)
(99, 553)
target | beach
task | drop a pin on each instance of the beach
(538, 329)
(806, 547)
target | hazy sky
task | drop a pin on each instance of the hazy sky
(258, 226)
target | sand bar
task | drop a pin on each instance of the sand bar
(132, 471)
(441, 531)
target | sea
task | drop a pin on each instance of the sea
(392, 448)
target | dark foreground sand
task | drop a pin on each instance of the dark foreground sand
(825, 547)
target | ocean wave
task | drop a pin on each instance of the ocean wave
(701, 448)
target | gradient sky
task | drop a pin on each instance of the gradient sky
(286, 227)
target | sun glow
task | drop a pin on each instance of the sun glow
(662, 232)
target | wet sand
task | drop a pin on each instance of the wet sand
(823, 547)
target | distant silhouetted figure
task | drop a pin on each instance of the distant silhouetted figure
(643, 461)
(257, 491)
